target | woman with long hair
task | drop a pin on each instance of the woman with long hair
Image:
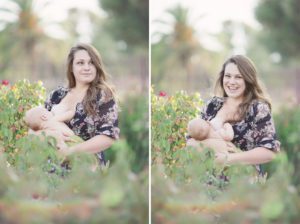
(241, 101)
(91, 99)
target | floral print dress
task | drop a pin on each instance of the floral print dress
(255, 130)
(86, 127)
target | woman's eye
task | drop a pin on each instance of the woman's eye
(79, 62)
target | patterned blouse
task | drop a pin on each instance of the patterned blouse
(255, 130)
(105, 123)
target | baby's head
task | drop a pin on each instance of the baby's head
(198, 129)
(35, 116)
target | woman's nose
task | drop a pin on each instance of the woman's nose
(87, 66)
(232, 80)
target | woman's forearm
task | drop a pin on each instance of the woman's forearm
(96, 144)
(255, 156)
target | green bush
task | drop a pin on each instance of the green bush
(14, 101)
(134, 128)
(169, 118)
(79, 196)
(288, 131)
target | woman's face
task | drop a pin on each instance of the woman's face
(233, 82)
(83, 68)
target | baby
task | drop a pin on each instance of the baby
(39, 119)
(214, 134)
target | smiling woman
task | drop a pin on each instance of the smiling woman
(242, 104)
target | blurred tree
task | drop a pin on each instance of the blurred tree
(182, 41)
(159, 54)
(225, 37)
(128, 21)
(23, 29)
(281, 23)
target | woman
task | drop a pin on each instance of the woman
(244, 105)
(92, 100)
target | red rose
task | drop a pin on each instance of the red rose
(162, 93)
(5, 82)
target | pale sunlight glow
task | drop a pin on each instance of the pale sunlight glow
(206, 17)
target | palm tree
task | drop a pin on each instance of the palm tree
(23, 32)
(182, 41)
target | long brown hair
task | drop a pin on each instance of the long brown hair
(98, 84)
(254, 89)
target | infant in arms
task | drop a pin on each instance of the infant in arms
(39, 120)
(212, 134)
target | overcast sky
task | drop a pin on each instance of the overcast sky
(206, 15)
(56, 11)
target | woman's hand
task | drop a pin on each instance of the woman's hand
(66, 137)
(64, 150)
(222, 157)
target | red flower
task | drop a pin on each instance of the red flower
(162, 93)
(5, 82)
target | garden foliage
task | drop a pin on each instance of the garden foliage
(169, 117)
(134, 128)
(288, 131)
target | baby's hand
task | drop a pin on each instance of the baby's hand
(221, 157)
(192, 142)
(63, 149)
(68, 138)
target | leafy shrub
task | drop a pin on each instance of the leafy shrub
(79, 196)
(134, 128)
(169, 118)
(288, 131)
(14, 101)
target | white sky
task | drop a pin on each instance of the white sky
(55, 12)
(206, 15)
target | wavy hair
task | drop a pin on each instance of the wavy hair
(254, 89)
(97, 85)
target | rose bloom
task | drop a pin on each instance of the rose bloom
(5, 82)
(162, 93)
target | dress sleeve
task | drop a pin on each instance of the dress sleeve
(210, 108)
(49, 101)
(203, 112)
(106, 122)
(55, 97)
(264, 134)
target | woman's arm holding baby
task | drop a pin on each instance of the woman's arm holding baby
(94, 145)
(255, 156)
